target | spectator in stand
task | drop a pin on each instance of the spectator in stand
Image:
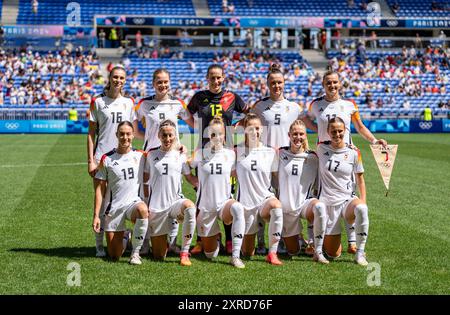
(373, 40)
(418, 42)
(34, 6)
(138, 39)
(101, 39)
(395, 8)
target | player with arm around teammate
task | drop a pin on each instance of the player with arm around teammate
(254, 167)
(338, 163)
(107, 111)
(122, 169)
(332, 105)
(164, 169)
(215, 164)
(151, 111)
(297, 177)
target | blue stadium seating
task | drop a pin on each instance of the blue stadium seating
(289, 8)
(54, 11)
(421, 8)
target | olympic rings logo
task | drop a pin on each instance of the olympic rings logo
(12, 126)
(392, 23)
(425, 125)
(138, 21)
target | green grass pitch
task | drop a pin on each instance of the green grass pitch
(46, 213)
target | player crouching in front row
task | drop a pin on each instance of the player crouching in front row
(338, 164)
(297, 182)
(164, 168)
(122, 171)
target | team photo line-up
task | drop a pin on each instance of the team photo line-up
(274, 175)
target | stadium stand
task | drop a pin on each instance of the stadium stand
(53, 12)
(420, 8)
(271, 8)
(393, 83)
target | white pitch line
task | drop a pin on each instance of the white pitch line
(41, 165)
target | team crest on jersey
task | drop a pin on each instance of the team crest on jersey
(345, 156)
(135, 160)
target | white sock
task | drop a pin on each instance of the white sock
(275, 228)
(320, 224)
(237, 228)
(351, 234)
(188, 228)
(173, 233)
(260, 233)
(100, 236)
(361, 226)
(140, 228)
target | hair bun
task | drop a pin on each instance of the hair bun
(275, 67)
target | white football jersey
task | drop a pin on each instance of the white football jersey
(154, 112)
(124, 174)
(276, 117)
(254, 171)
(107, 113)
(165, 170)
(323, 111)
(214, 173)
(297, 178)
(336, 171)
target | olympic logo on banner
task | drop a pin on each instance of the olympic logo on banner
(12, 126)
(392, 23)
(425, 125)
(138, 21)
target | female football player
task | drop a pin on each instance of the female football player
(214, 168)
(338, 165)
(107, 111)
(122, 170)
(164, 168)
(297, 178)
(254, 167)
